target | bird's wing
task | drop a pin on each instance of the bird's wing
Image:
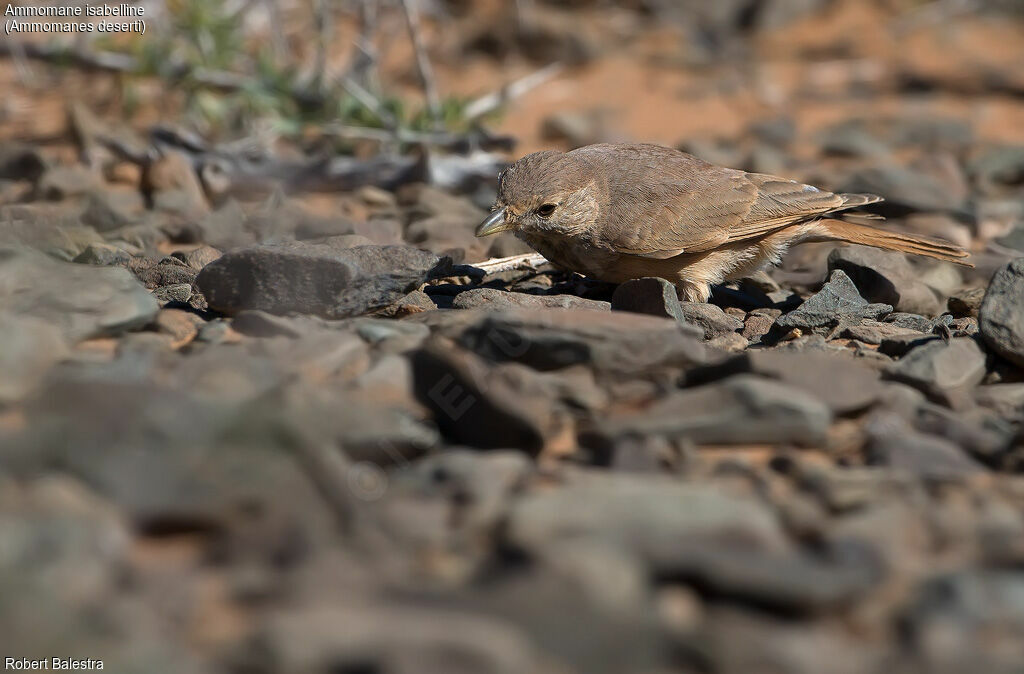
(690, 206)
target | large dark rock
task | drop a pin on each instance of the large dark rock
(885, 277)
(837, 303)
(654, 296)
(1001, 315)
(314, 279)
(82, 300)
(504, 406)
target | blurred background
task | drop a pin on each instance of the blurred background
(159, 504)
(260, 95)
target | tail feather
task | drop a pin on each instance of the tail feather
(866, 235)
(856, 201)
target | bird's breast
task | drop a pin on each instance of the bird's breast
(573, 254)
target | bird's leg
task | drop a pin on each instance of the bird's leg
(693, 291)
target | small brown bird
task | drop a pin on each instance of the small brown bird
(619, 212)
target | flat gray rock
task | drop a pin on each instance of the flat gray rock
(29, 347)
(613, 343)
(500, 299)
(711, 318)
(743, 409)
(83, 301)
(940, 367)
(844, 384)
(314, 279)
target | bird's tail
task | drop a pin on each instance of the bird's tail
(866, 235)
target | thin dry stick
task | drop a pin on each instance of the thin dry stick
(370, 101)
(422, 61)
(21, 64)
(363, 68)
(494, 100)
(278, 41)
(322, 22)
(526, 261)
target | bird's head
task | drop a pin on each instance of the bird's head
(544, 193)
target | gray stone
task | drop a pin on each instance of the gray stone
(902, 343)
(725, 543)
(1006, 400)
(759, 323)
(968, 620)
(314, 279)
(104, 255)
(910, 321)
(1001, 316)
(907, 188)
(389, 637)
(65, 555)
(875, 332)
(843, 384)
(29, 347)
(499, 299)
(711, 318)
(966, 303)
(848, 139)
(107, 211)
(65, 182)
(892, 442)
(942, 368)
(198, 258)
(613, 343)
(886, 277)
(168, 271)
(730, 341)
(177, 292)
(742, 409)
(83, 301)
(837, 303)
(475, 403)
(653, 296)
(648, 516)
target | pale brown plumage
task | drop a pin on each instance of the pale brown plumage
(617, 212)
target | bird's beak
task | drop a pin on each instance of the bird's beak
(494, 223)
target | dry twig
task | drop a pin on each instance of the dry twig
(494, 100)
(422, 61)
(497, 264)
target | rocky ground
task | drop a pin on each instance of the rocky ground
(306, 433)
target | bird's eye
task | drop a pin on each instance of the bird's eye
(546, 210)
